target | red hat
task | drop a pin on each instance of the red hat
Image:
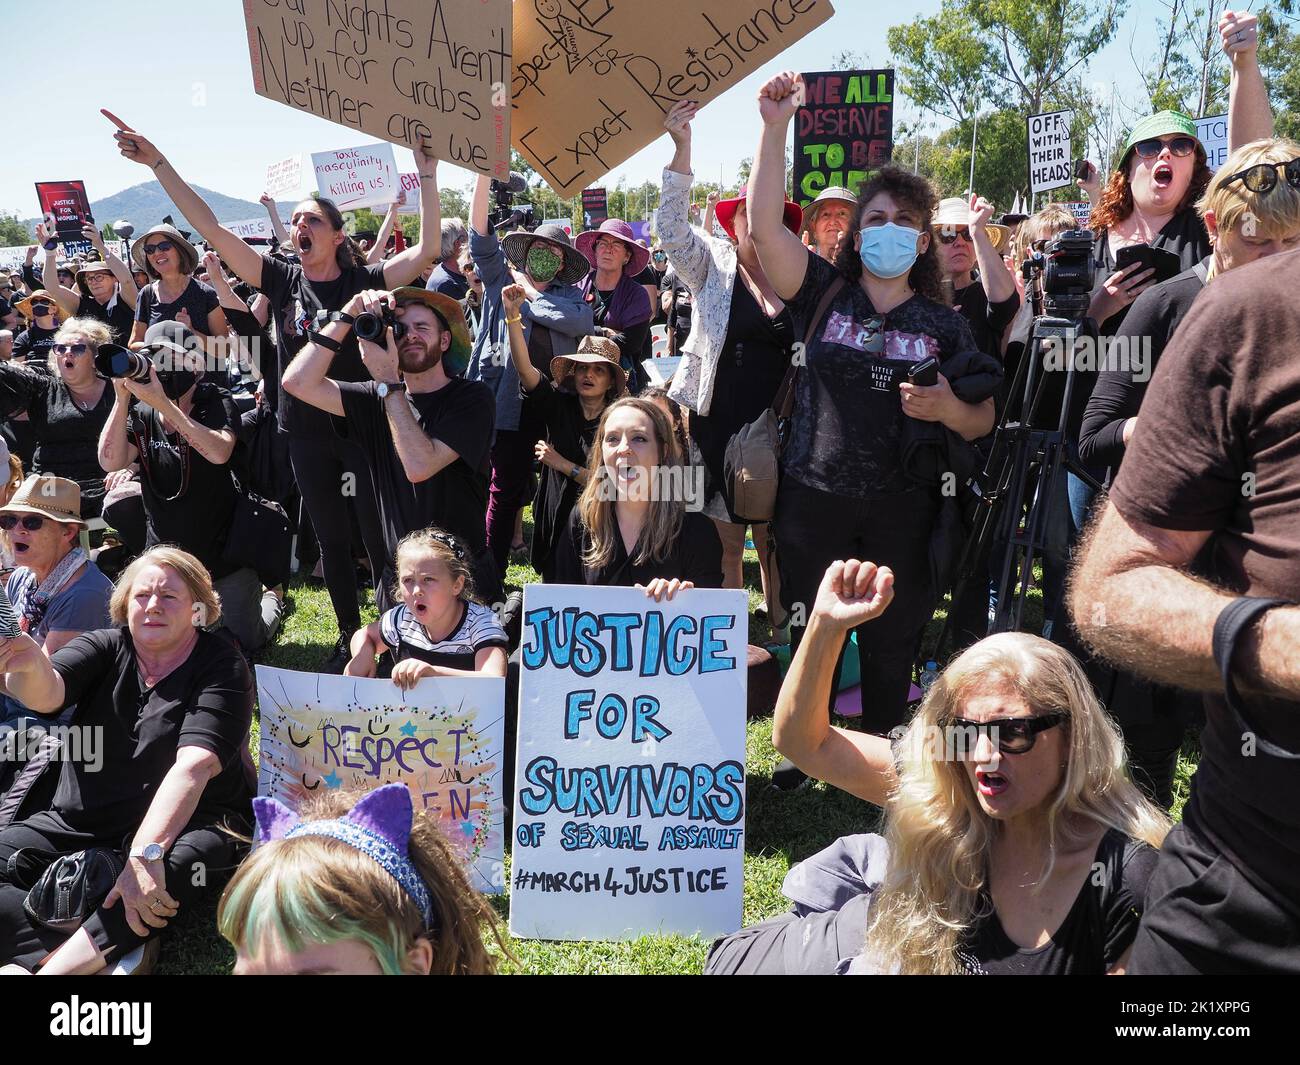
(726, 211)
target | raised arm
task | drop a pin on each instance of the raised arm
(376, 254)
(851, 592)
(781, 253)
(512, 300)
(241, 258)
(478, 206)
(277, 224)
(121, 272)
(998, 283)
(66, 298)
(406, 266)
(1250, 118)
(686, 247)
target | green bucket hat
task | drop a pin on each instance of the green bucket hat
(1161, 124)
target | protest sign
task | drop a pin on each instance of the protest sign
(1051, 165)
(1081, 212)
(1212, 132)
(595, 207)
(284, 176)
(405, 71)
(594, 79)
(564, 223)
(844, 129)
(66, 204)
(253, 228)
(410, 184)
(366, 176)
(443, 739)
(630, 778)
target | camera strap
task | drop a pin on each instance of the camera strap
(1233, 620)
(148, 425)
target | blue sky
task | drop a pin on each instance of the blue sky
(180, 74)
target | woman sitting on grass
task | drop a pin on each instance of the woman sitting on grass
(437, 630)
(1014, 839)
(355, 886)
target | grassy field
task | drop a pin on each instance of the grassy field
(781, 828)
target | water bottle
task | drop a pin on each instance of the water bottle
(929, 675)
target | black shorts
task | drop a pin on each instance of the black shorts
(1204, 917)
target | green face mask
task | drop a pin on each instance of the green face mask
(543, 263)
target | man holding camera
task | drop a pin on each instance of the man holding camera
(426, 432)
(184, 431)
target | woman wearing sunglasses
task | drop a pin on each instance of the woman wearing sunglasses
(42, 313)
(103, 290)
(1013, 843)
(174, 295)
(67, 406)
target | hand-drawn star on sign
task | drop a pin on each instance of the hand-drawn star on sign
(407, 730)
(691, 53)
(333, 780)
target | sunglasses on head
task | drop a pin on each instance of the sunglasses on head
(75, 349)
(1262, 177)
(948, 235)
(1013, 735)
(162, 245)
(31, 522)
(1179, 146)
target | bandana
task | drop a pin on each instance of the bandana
(33, 601)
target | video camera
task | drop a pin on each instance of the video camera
(504, 212)
(1066, 271)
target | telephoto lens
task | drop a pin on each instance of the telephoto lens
(113, 360)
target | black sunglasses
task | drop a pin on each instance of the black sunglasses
(1013, 735)
(948, 236)
(1179, 146)
(31, 522)
(1262, 177)
(75, 349)
(162, 245)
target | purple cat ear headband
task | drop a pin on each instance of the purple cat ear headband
(379, 826)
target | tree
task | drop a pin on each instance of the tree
(1279, 36)
(13, 232)
(945, 65)
(453, 203)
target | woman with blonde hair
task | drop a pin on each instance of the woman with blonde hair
(170, 705)
(631, 525)
(66, 408)
(1014, 840)
(354, 885)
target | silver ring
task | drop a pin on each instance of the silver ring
(154, 904)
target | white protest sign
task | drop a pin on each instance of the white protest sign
(1081, 210)
(357, 177)
(1212, 132)
(1050, 162)
(284, 176)
(564, 223)
(253, 228)
(630, 778)
(13, 258)
(410, 184)
(443, 739)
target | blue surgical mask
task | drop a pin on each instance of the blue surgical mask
(888, 250)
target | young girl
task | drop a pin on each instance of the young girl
(437, 630)
(353, 885)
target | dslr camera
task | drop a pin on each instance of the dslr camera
(371, 326)
(113, 360)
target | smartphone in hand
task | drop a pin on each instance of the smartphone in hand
(925, 372)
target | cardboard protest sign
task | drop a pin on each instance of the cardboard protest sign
(366, 176)
(403, 71)
(844, 129)
(65, 203)
(594, 78)
(443, 739)
(1051, 165)
(1212, 132)
(284, 176)
(630, 778)
(595, 207)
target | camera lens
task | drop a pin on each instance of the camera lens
(113, 360)
(369, 326)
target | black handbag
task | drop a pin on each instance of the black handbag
(260, 538)
(72, 888)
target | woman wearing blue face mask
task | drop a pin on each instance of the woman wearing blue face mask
(868, 452)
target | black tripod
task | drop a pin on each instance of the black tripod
(1028, 456)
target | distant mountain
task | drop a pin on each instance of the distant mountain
(146, 205)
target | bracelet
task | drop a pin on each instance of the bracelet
(575, 473)
(516, 318)
(325, 342)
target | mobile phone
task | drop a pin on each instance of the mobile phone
(1081, 169)
(1166, 263)
(925, 372)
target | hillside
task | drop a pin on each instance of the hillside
(147, 205)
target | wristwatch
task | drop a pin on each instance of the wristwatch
(387, 388)
(150, 852)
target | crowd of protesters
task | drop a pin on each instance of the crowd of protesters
(146, 409)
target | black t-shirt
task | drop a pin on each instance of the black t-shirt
(288, 288)
(67, 437)
(570, 433)
(33, 345)
(198, 299)
(187, 499)
(1223, 412)
(207, 702)
(120, 319)
(1184, 235)
(848, 416)
(461, 414)
(1119, 388)
(987, 321)
(696, 557)
(1095, 933)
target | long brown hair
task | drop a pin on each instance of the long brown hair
(910, 190)
(1116, 202)
(349, 253)
(596, 505)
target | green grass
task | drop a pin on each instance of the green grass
(781, 828)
